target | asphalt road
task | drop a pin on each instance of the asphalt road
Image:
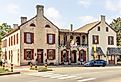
(69, 74)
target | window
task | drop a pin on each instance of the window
(28, 54)
(5, 55)
(98, 28)
(32, 25)
(78, 40)
(9, 41)
(50, 38)
(71, 37)
(110, 40)
(18, 55)
(28, 37)
(9, 55)
(95, 39)
(17, 38)
(106, 29)
(83, 39)
(14, 40)
(47, 26)
(65, 39)
(51, 54)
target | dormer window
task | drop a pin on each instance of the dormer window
(98, 28)
(47, 26)
(32, 25)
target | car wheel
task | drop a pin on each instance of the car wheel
(104, 65)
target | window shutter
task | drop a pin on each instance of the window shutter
(53, 54)
(25, 55)
(53, 38)
(108, 40)
(32, 56)
(112, 40)
(97, 39)
(24, 37)
(9, 41)
(17, 38)
(93, 39)
(48, 38)
(14, 39)
(32, 37)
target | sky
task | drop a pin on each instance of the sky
(61, 12)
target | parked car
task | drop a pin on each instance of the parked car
(96, 63)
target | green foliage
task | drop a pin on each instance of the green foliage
(116, 24)
(3, 70)
(4, 29)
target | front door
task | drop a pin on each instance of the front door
(73, 56)
(40, 56)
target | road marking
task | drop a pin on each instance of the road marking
(83, 80)
(67, 77)
(78, 77)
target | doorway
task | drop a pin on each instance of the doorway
(73, 56)
(39, 56)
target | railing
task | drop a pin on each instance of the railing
(74, 46)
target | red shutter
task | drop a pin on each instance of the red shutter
(47, 53)
(24, 37)
(25, 55)
(14, 39)
(9, 55)
(97, 39)
(17, 38)
(9, 41)
(32, 53)
(54, 53)
(32, 37)
(47, 38)
(53, 38)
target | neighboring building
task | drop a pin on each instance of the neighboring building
(102, 38)
(39, 41)
(34, 40)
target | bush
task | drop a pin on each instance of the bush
(3, 70)
(42, 69)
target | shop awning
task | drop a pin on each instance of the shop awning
(113, 51)
(98, 51)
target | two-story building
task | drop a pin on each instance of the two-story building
(39, 41)
(101, 41)
(35, 40)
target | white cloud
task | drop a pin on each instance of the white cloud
(85, 3)
(12, 8)
(113, 5)
(54, 15)
(87, 19)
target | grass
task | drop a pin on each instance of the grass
(2, 70)
(40, 69)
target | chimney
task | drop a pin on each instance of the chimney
(40, 10)
(103, 18)
(23, 20)
(15, 25)
(71, 27)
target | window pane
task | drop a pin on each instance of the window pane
(28, 37)
(50, 38)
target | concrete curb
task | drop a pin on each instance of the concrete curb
(9, 73)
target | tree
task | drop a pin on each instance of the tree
(4, 29)
(116, 24)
